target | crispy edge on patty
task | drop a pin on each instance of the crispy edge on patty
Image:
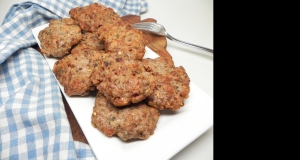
(136, 121)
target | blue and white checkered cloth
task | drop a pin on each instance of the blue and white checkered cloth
(33, 122)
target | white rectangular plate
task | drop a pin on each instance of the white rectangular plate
(174, 130)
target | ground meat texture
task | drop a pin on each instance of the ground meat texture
(74, 70)
(121, 38)
(93, 16)
(122, 81)
(172, 84)
(136, 121)
(59, 37)
(91, 40)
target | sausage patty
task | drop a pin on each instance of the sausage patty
(171, 85)
(74, 70)
(121, 38)
(136, 121)
(93, 16)
(121, 80)
(59, 37)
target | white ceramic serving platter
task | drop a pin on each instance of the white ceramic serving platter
(174, 130)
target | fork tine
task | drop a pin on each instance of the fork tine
(145, 23)
(150, 24)
(143, 28)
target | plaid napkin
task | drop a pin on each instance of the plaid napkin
(33, 122)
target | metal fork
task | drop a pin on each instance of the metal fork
(160, 30)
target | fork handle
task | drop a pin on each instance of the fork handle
(190, 44)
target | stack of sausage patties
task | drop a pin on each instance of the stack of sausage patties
(98, 50)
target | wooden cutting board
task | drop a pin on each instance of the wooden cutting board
(156, 43)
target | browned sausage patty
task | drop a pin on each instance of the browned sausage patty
(121, 38)
(58, 38)
(93, 16)
(121, 80)
(172, 84)
(136, 121)
(74, 70)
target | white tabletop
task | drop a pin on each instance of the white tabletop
(191, 21)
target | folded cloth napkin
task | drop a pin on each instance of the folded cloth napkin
(33, 122)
